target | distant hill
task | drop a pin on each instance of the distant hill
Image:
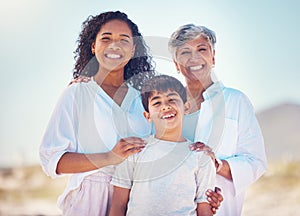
(281, 129)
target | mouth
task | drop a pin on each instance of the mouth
(113, 56)
(195, 68)
(168, 116)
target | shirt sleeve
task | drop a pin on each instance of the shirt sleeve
(205, 177)
(123, 176)
(249, 162)
(59, 136)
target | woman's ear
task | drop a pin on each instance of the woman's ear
(93, 48)
(176, 65)
(133, 51)
(187, 107)
(147, 116)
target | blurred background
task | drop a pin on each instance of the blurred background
(257, 51)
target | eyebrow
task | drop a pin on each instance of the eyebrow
(168, 95)
(108, 33)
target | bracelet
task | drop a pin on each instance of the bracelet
(220, 164)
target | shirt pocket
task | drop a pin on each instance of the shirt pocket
(228, 141)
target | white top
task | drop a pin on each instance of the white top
(87, 120)
(166, 178)
(228, 124)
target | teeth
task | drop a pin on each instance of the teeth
(113, 56)
(196, 67)
(168, 116)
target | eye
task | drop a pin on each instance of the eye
(105, 39)
(185, 53)
(173, 100)
(125, 41)
(156, 103)
(202, 50)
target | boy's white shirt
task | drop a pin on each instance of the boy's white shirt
(166, 178)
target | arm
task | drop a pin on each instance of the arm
(248, 162)
(214, 198)
(205, 179)
(119, 201)
(204, 209)
(79, 162)
(59, 150)
(224, 170)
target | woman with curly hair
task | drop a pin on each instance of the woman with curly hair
(96, 125)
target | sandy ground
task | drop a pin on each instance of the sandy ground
(27, 191)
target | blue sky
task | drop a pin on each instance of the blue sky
(256, 52)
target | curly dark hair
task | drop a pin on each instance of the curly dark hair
(140, 67)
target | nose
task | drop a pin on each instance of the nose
(165, 106)
(196, 55)
(115, 45)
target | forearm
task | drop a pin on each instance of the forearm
(204, 209)
(225, 170)
(72, 162)
(117, 210)
(119, 201)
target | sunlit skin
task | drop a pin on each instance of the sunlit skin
(196, 52)
(113, 49)
(195, 61)
(167, 110)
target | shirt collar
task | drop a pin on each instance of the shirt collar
(213, 90)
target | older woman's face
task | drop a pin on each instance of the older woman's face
(195, 60)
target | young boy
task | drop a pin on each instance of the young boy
(166, 178)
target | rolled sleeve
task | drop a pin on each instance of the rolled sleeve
(59, 136)
(206, 178)
(123, 176)
(249, 162)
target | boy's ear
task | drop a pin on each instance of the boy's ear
(147, 116)
(187, 107)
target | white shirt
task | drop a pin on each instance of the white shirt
(166, 178)
(228, 124)
(87, 120)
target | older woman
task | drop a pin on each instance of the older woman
(221, 117)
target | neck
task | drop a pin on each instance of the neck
(195, 91)
(115, 79)
(172, 135)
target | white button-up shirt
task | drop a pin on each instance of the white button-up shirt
(87, 120)
(227, 123)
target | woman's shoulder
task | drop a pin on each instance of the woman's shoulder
(234, 94)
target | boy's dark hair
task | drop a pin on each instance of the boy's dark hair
(161, 83)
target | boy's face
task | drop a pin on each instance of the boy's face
(166, 110)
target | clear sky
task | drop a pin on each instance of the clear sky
(257, 51)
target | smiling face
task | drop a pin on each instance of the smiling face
(113, 46)
(195, 60)
(166, 110)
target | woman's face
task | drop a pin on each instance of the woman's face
(195, 60)
(114, 45)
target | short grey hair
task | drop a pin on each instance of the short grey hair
(187, 33)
